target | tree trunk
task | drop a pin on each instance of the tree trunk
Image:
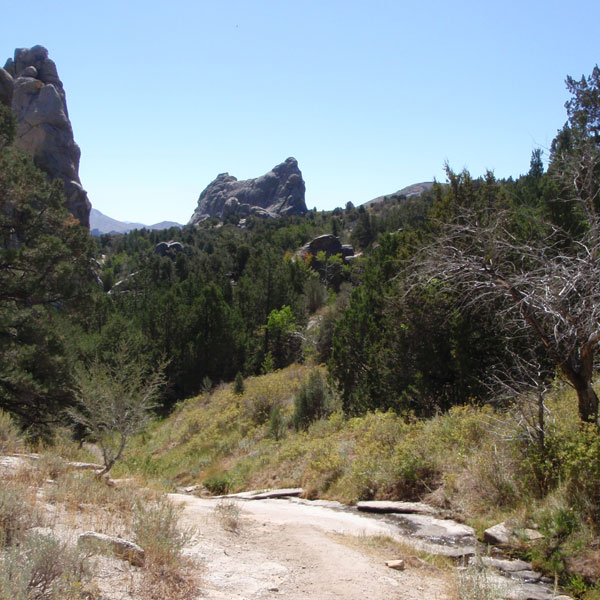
(580, 373)
(587, 402)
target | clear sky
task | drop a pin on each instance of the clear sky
(369, 96)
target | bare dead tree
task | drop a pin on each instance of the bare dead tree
(524, 386)
(547, 286)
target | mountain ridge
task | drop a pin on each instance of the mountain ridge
(101, 223)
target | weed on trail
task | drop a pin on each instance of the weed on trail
(475, 582)
(228, 514)
(168, 574)
(157, 530)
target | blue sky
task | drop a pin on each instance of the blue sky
(369, 96)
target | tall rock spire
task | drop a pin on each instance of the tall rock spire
(29, 83)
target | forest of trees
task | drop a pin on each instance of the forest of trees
(475, 276)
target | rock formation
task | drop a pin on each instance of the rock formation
(279, 192)
(170, 248)
(29, 83)
(327, 243)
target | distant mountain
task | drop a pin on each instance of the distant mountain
(412, 190)
(100, 224)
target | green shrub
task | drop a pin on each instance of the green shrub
(582, 473)
(277, 424)
(312, 401)
(238, 384)
(268, 364)
(260, 409)
(218, 484)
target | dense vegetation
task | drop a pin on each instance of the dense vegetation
(479, 291)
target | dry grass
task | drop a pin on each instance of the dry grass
(10, 437)
(174, 584)
(47, 564)
(17, 515)
(475, 582)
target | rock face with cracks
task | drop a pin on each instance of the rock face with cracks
(278, 192)
(30, 85)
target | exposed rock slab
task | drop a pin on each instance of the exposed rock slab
(385, 506)
(518, 579)
(30, 84)
(530, 591)
(11, 464)
(85, 466)
(265, 494)
(445, 529)
(279, 192)
(507, 566)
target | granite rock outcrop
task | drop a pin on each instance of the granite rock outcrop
(329, 244)
(30, 85)
(278, 192)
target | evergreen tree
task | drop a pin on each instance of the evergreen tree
(45, 273)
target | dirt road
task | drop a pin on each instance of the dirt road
(296, 550)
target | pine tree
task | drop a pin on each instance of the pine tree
(45, 272)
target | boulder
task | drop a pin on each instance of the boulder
(30, 84)
(498, 535)
(327, 243)
(278, 192)
(168, 248)
(121, 548)
(505, 535)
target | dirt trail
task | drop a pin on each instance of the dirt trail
(288, 549)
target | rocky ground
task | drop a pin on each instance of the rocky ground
(313, 549)
(298, 550)
(264, 546)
